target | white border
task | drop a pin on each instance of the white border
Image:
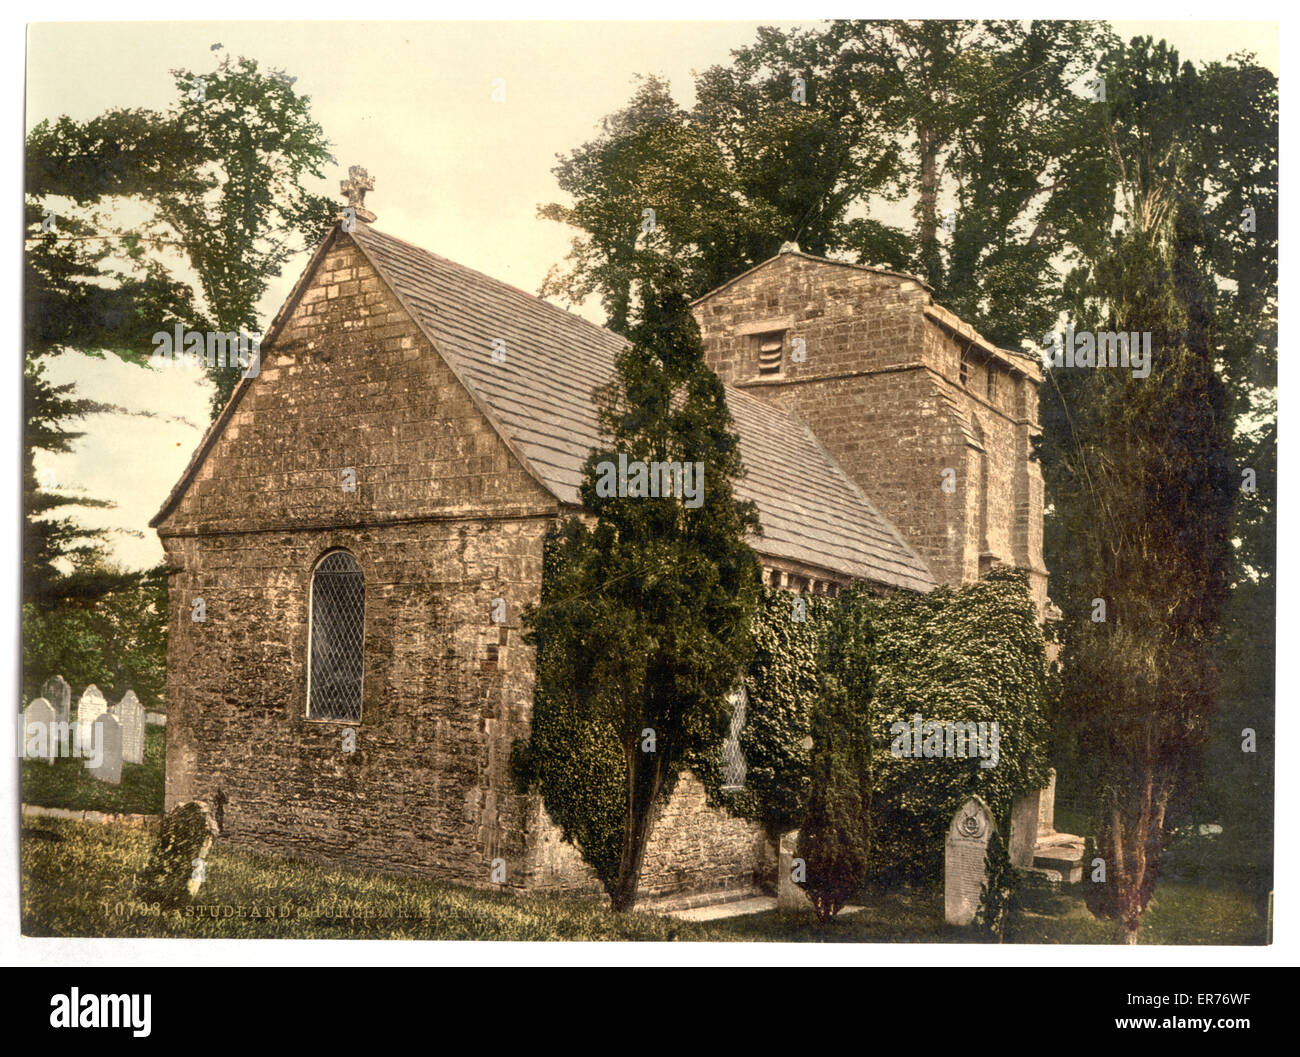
(94, 952)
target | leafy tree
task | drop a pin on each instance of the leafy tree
(646, 623)
(118, 641)
(653, 156)
(212, 186)
(806, 135)
(990, 126)
(1142, 487)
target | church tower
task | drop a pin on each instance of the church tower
(933, 422)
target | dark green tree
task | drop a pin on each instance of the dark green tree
(835, 836)
(645, 626)
(1142, 485)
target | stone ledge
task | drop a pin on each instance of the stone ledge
(102, 817)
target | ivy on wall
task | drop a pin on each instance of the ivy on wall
(972, 654)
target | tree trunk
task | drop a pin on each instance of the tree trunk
(644, 779)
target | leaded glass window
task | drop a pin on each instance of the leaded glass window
(733, 761)
(338, 606)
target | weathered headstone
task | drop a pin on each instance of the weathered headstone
(178, 866)
(90, 707)
(107, 732)
(40, 738)
(964, 870)
(59, 694)
(130, 713)
(1047, 807)
(1033, 822)
(789, 895)
(1024, 829)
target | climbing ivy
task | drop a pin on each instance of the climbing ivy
(969, 654)
(781, 683)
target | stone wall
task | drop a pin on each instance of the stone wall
(443, 520)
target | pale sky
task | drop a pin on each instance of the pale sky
(454, 171)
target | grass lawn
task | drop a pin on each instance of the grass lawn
(78, 881)
(67, 783)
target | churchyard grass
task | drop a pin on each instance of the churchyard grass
(67, 783)
(305, 900)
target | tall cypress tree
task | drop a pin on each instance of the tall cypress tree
(645, 624)
(1142, 487)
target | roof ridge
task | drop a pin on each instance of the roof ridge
(540, 402)
(874, 269)
(533, 299)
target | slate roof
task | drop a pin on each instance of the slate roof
(811, 511)
(540, 400)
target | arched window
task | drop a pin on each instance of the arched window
(338, 607)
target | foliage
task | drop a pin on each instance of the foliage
(983, 113)
(52, 541)
(1142, 486)
(835, 834)
(781, 684)
(973, 654)
(970, 654)
(118, 640)
(215, 180)
(645, 626)
(1000, 891)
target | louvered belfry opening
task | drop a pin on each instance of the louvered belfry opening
(769, 352)
(338, 606)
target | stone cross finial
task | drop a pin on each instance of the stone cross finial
(355, 187)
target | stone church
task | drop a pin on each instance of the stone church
(353, 543)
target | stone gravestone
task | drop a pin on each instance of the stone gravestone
(1047, 807)
(59, 694)
(177, 868)
(964, 869)
(92, 705)
(130, 713)
(1024, 829)
(789, 895)
(1033, 821)
(40, 738)
(107, 732)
